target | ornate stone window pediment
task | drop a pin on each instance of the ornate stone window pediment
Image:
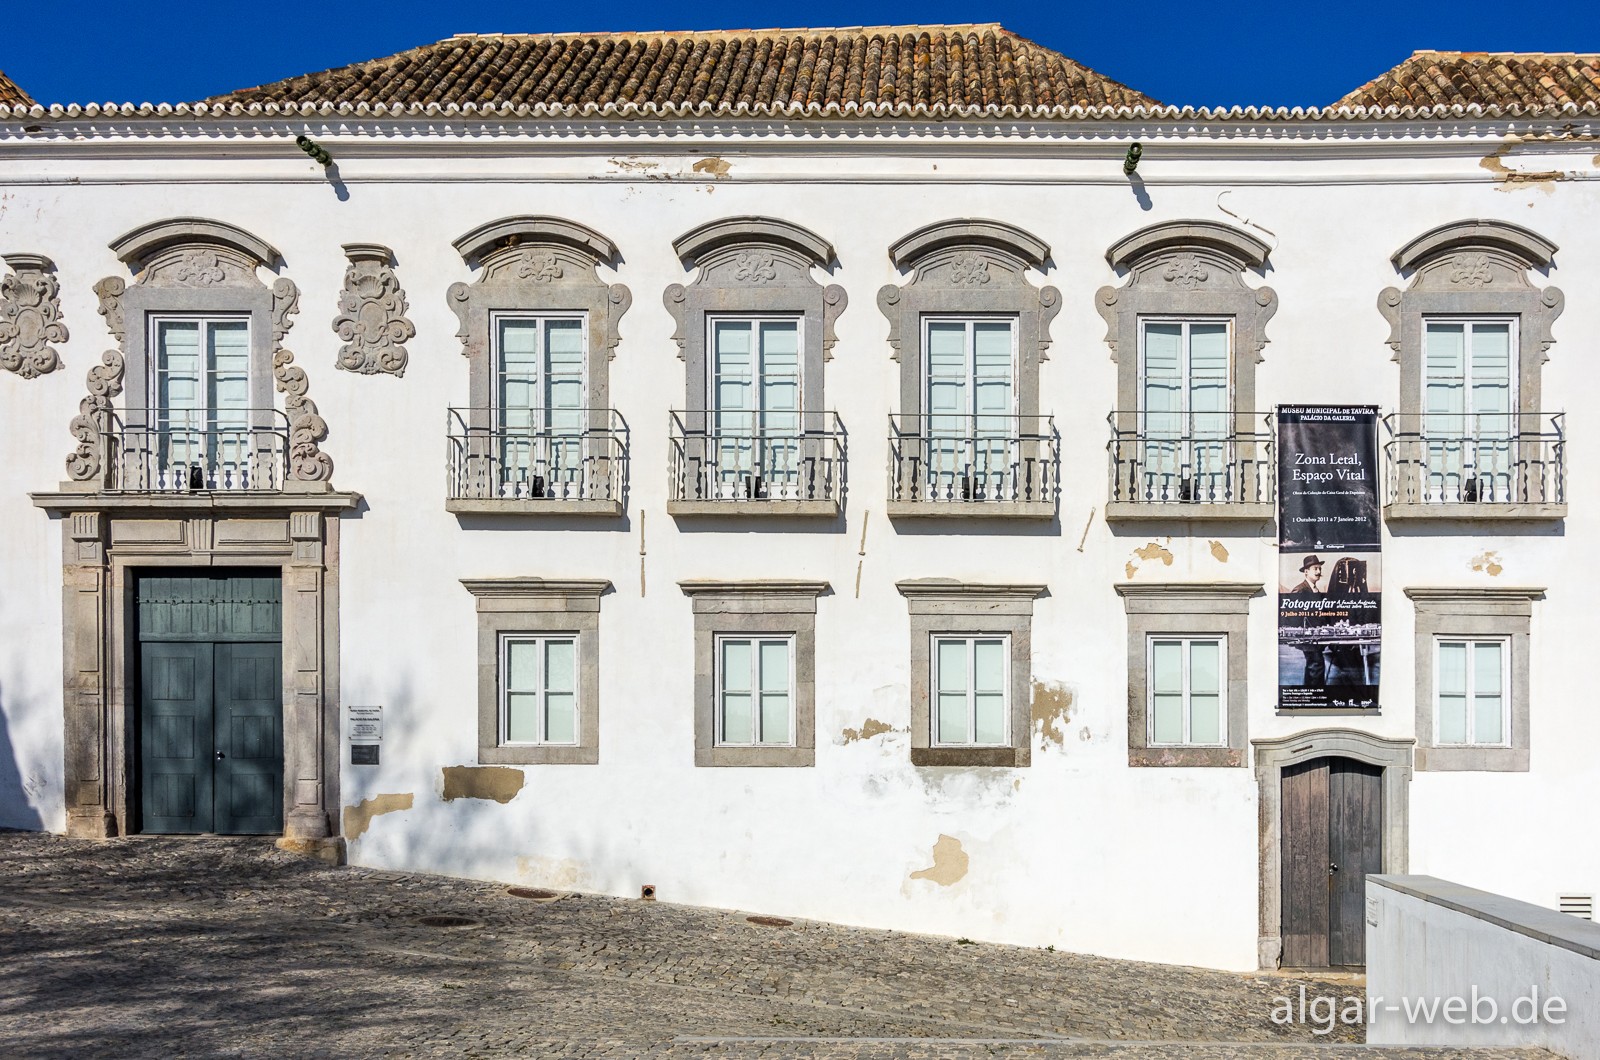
(372, 319)
(30, 316)
(537, 435)
(1472, 437)
(195, 269)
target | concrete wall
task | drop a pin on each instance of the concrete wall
(1432, 942)
(1078, 850)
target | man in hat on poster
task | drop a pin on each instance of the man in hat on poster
(1310, 585)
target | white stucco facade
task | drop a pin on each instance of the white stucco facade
(1078, 849)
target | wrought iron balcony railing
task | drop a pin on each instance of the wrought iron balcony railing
(178, 451)
(1475, 460)
(723, 459)
(1171, 460)
(946, 464)
(557, 455)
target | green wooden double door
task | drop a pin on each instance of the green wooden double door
(210, 703)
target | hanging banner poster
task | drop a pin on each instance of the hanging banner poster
(1330, 569)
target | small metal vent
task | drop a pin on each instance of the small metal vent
(1577, 904)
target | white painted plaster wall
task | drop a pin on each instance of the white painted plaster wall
(1544, 994)
(1078, 851)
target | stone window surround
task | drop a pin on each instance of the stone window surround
(198, 266)
(537, 264)
(1272, 757)
(755, 266)
(1188, 269)
(1480, 268)
(538, 605)
(1499, 611)
(942, 605)
(755, 607)
(1189, 609)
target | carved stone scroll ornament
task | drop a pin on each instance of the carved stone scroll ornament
(104, 383)
(372, 307)
(30, 317)
(307, 428)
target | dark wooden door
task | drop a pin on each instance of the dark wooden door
(211, 703)
(1332, 838)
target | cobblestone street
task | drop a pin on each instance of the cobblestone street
(227, 947)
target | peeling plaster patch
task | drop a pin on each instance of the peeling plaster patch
(622, 163)
(1219, 551)
(1052, 710)
(1154, 551)
(500, 783)
(359, 816)
(949, 863)
(714, 166)
(1130, 568)
(562, 874)
(1507, 178)
(1487, 563)
(869, 728)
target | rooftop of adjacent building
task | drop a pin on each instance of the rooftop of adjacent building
(11, 93)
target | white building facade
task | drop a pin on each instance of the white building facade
(860, 516)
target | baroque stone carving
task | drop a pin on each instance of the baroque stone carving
(104, 383)
(969, 270)
(199, 268)
(372, 321)
(1185, 271)
(30, 317)
(540, 266)
(307, 461)
(753, 267)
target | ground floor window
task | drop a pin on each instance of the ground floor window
(1187, 704)
(539, 689)
(1473, 688)
(970, 705)
(755, 691)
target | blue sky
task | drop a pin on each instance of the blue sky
(1244, 52)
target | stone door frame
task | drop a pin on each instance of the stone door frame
(1393, 756)
(105, 540)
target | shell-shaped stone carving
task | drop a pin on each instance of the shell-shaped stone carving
(30, 317)
(372, 318)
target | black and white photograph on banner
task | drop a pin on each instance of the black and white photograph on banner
(1329, 632)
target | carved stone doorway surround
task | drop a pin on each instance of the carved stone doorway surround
(106, 540)
(1272, 757)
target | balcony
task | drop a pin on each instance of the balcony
(717, 471)
(1505, 465)
(982, 466)
(563, 462)
(174, 452)
(1189, 472)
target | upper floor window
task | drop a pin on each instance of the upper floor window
(754, 329)
(201, 355)
(1186, 429)
(539, 329)
(970, 331)
(1472, 437)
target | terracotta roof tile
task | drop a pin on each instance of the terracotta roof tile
(1531, 81)
(11, 94)
(931, 69)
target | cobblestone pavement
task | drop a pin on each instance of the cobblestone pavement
(228, 947)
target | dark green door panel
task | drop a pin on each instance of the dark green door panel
(211, 702)
(175, 724)
(249, 738)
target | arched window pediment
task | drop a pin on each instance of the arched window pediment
(163, 246)
(946, 242)
(1512, 246)
(494, 246)
(719, 242)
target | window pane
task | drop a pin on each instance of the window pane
(952, 717)
(1491, 368)
(733, 371)
(990, 721)
(1205, 719)
(1444, 369)
(178, 365)
(522, 665)
(1205, 667)
(989, 666)
(1208, 378)
(736, 666)
(561, 718)
(774, 717)
(1166, 718)
(1488, 713)
(1452, 719)
(952, 665)
(738, 724)
(230, 368)
(560, 675)
(1161, 392)
(1452, 669)
(522, 717)
(774, 666)
(1166, 666)
(947, 370)
(992, 367)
